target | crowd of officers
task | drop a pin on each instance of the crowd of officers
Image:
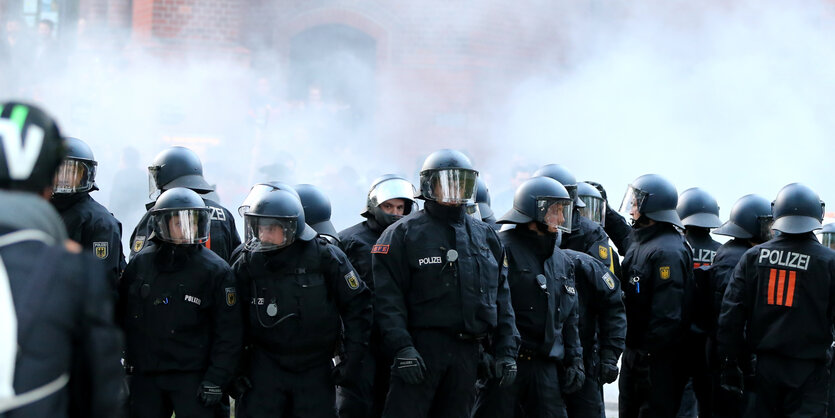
(444, 311)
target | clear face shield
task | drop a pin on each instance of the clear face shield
(153, 190)
(451, 186)
(827, 239)
(263, 233)
(555, 213)
(393, 189)
(472, 210)
(74, 176)
(765, 222)
(595, 209)
(183, 226)
(256, 192)
(632, 202)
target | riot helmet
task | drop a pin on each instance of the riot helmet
(77, 173)
(827, 235)
(797, 209)
(261, 189)
(448, 177)
(31, 147)
(276, 220)
(594, 204)
(317, 209)
(180, 216)
(698, 208)
(177, 167)
(385, 188)
(652, 196)
(542, 200)
(750, 219)
(482, 198)
(564, 176)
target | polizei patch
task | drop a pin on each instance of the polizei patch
(101, 249)
(193, 299)
(351, 279)
(429, 260)
(784, 259)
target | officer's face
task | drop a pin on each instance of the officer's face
(554, 217)
(394, 207)
(181, 230)
(271, 234)
(443, 196)
(633, 209)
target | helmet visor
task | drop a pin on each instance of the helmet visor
(256, 192)
(153, 189)
(633, 201)
(595, 209)
(182, 226)
(827, 239)
(554, 212)
(391, 189)
(473, 210)
(765, 223)
(454, 186)
(74, 176)
(263, 233)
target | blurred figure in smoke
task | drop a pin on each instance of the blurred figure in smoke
(390, 198)
(15, 56)
(127, 200)
(88, 222)
(502, 201)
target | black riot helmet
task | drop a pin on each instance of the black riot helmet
(750, 219)
(797, 209)
(698, 208)
(544, 200)
(177, 167)
(31, 147)
(594, 204)
(260, 189)
(180, 216)
(385, 188)
(77, 173)
(275, 221)
(317, 209)
(652, 196)
(447, 176)
(562, 175)
(482, 199)
(827, 235)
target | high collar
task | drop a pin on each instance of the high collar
(646, 233)
(373, 225)
(64, 201)
(172, 257)
(446, 213)
(542, 245)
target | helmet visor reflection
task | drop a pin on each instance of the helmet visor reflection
(633, 202)
(74, 176)
(263, 233)
(766, 222)
(454, 186)
(391, 189)
(827, 239)
(554, 212)
(256, 192)
(595, 209)
(183, 226)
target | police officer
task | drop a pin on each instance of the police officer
(178, 305)
(780, 302)
(59, 355)
(596, 208)
(317, 211)
(301, 291)
(88, 222)
(181, 167)
(602, 328)
(657, 283)
(586, 236)
(390, 197)
(440, 290)
(255, 193)
(541, 280)
(699, 213)
(482, 200)
(749, 225)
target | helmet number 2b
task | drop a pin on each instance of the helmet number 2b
(20, 157)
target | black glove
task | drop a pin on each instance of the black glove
(730, 377)
(209, 393)
(599, 188)
(575, 376)
(485, 366)
(506, 371)
(408, 364)
(608, 366)
(239, 386)
(348, 369)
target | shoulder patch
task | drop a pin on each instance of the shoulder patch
(603, 251)
(351, 279)
(610, 283)
(231, 296)
(138, 243)
(380, 249)
(664, 271)
(101, 249)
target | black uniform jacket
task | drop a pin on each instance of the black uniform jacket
(95, 228)
(781, 294)
(657, 282)
(704, 247)
(419, 286)
(541, 280)
(588, 237)
(357, 242)
(64, 307)
(223, 235)
(178, 304)
(298, 300)
(718, 274)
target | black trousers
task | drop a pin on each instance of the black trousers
(697, 399)
(588, 401)
(787, 387)
(365, 396)
(651, 386)
(534, 394)
(277, 392)
(449, 387)
(158, 395)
